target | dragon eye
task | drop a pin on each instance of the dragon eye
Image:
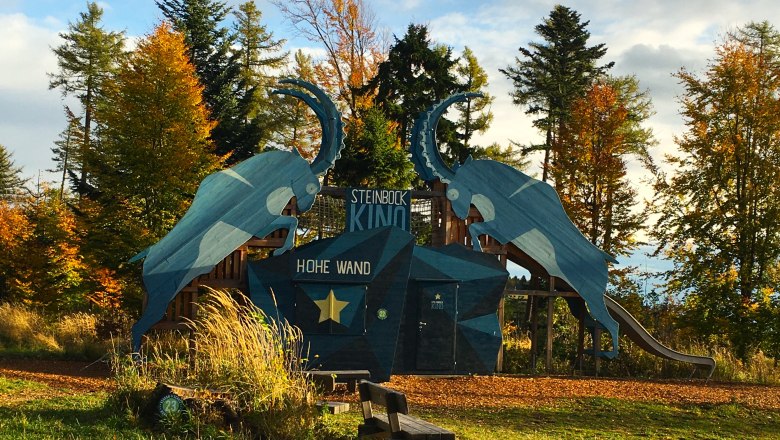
(453, 194)
(311, 188)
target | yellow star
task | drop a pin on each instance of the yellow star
(438, 296)
(330, 307)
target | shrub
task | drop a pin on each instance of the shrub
(241, 353)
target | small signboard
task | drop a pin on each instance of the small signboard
(374, 208)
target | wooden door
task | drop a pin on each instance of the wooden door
(438, 309)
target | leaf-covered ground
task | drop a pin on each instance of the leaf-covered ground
(510, 391)
(23, 379)
(428, 391)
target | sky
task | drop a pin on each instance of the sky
(648, 39)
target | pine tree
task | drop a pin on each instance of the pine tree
(11, 182)
(375, 159)
(210, 50)
(415, 75)
(259, 55)
(86, 60)
(554, 73)
(67, 150)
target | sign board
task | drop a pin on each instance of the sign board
(374, 208)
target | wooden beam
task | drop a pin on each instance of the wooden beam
(517, 294)
(597, 348)
(550, 318)
(534, 326)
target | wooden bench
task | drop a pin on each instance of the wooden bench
(397, 422)
(327, 380)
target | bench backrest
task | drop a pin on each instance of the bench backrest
(393, 401)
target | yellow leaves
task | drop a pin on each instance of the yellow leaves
(15, 228)
(108, 291)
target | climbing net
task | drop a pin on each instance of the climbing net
(327, 218)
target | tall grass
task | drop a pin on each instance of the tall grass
(22, 327)
(25, 330)
(635, 362)
(243, 356)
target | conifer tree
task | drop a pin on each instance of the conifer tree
(67, 150)
(209, 45)
(475, 114)
(415, 75)
(552, 74)
(11, 182)
(86, 59)
(259, 56)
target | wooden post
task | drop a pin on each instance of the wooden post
(549, 344)
(550, 335)
(580, 342)
(500, 361)
(534, 325)
(597, 348)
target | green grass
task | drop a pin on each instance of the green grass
(610, 419)
(88, 416)
(82, 416)
(10, 387)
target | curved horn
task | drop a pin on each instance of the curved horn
(330, 120)
(425, 152)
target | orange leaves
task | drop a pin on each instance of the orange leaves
(506, 391)
(108, 289)
(590, 162)
(156, 146)
(347, 29)
(15, 228)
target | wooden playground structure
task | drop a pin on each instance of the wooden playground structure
(478, 200)
(444, 228)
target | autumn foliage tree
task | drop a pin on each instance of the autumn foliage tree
(15, 230)
(346, 29)
(603, 134)
(299, 127)
(155, 147)
(719, 208)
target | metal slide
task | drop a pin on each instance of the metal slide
(639, 335)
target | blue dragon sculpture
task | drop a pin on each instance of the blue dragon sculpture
(235, 204)
(516, 209)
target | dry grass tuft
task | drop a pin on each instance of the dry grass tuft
(241, 353)
(22, 327)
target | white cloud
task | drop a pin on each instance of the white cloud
(29, 112)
